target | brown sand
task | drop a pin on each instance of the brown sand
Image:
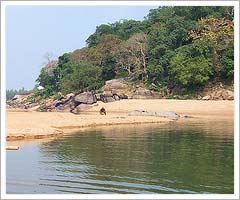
(39, 125)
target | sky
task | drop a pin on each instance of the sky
(32, 31)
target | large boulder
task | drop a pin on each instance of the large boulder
(80, 108)
(106, 98)
(64, 99)
(86, 98)
(115, 84)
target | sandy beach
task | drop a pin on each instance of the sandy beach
(39, 125)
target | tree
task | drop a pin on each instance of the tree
(84, 76)
(189, 67)
(133, 56)
(95, 38)
(228, 62)
(216, 33)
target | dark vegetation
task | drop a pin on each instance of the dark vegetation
(174, 47)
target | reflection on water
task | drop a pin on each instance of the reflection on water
(181, 157)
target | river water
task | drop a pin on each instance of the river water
(187, 156)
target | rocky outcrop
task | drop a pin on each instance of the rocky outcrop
(110, 97)
(85, 98)
(71, 102)
(168, 114)
(222, 94)
(143, 93)
(115, 84)
(81, 107)
(23, 101)
(216, 91)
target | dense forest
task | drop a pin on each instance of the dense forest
(173, 47)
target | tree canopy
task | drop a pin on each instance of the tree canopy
(183, 46)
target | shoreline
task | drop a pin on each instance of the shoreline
(28, 124)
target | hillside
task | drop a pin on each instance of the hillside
(174, 53)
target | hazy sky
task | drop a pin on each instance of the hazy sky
(31, 31)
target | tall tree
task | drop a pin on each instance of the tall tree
(216, 33)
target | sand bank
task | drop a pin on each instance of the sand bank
(39, 125)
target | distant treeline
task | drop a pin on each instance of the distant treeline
(11, 93)
(172, 47)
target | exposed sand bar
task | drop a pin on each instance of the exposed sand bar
(38, 125)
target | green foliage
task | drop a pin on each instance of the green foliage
(188, 67)
(31, 99)
(228, 62)
(83, 76)
(123, 30)
(182, 46)
(169, 97)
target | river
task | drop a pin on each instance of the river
(187, 156)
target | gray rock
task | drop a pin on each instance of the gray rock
(123, 96)
(143, 92)
(106, 98)
(86, 98)
(108, 95)
(116, 97)
(58, 103)
(69, 96)
(80, 108)
(115, 84)
(168, 114)
(206, 97)
(98, 96)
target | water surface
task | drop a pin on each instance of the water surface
(189, 156)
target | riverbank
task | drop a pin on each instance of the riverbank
(39, 125)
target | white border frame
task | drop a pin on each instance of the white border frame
(120, 3)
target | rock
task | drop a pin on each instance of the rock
(115, 84)
(116, 97)
(114, 92)
(21, 101)
(69, 96)
(143, 93)
(80, 108)
(58, 103)
(64, 99)
(206, 98)
(230, 95)
(106, 98)
(168, 114)
(86, 98)
(108, 95)
(98, 96)
(123, 96)
(230, 98)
